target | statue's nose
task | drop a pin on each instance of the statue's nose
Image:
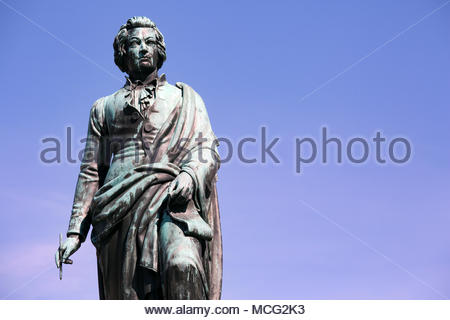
(143, 49)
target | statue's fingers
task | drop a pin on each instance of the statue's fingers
(171, 195)
(173, 186)
(185, 193)
(174, 197)
(66, 254)
(59, 255)
(177, 190)
(63, 246)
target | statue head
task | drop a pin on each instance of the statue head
(139, 47)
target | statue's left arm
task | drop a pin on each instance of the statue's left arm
(203, 160)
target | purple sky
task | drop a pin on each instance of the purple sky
(335, 231)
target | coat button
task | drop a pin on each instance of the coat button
(147, 127)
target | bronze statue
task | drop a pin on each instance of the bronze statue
(147, 182)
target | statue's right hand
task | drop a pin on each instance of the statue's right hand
(67, 248)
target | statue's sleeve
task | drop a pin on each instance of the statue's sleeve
(203, 161)
(93, 168)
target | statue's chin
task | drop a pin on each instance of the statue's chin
(141, 69)
(146, 67)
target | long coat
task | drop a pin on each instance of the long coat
(147, 154)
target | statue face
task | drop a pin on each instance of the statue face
(142, 52)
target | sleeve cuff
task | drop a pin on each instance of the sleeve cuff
(79, 225)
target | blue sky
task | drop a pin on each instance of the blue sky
(334, 231)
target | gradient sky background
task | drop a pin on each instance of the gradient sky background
(335, 231)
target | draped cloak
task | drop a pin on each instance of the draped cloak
(184, 139)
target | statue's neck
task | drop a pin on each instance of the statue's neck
(144, 77)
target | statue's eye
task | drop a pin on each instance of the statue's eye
(134, 42)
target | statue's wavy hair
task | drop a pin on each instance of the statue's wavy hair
(121, 41)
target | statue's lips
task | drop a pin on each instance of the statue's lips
(145, 59)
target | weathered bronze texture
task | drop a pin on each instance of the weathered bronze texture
(147, 183)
